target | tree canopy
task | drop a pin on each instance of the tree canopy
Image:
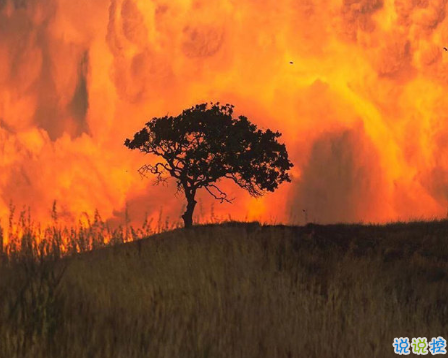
(205, 144)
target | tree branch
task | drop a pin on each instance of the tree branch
(222, 196)
(247, 185)
(154, 169)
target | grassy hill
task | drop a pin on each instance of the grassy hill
(232, 290)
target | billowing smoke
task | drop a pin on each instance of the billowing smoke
(362, 107)
(342, 179)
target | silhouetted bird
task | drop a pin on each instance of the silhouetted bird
(446, 49)
(290, 62)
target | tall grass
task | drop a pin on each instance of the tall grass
(25, 236)
(229, 290)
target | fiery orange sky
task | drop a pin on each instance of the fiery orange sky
(363, 108)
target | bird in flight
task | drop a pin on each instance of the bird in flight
(290, 62)
(446, 49)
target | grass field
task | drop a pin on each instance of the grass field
(228, 290)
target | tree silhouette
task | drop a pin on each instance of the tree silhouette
(203, 145)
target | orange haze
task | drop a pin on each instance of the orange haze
(363, 108)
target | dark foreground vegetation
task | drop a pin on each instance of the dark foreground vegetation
(230, 290)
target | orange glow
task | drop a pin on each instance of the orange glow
(362, 108)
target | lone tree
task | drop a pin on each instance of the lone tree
(203, 145)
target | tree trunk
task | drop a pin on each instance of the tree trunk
(188, 215)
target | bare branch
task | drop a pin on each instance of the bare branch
(143, 170)
(222, 196)
(247, 185)
(159, 169)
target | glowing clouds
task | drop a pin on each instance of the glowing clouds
(140, 69)
(133, 24)
(202, 41)
(394, 57)
(362, 109)
(357, 15)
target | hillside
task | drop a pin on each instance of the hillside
(233, 290)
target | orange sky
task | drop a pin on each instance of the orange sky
(362, 109)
